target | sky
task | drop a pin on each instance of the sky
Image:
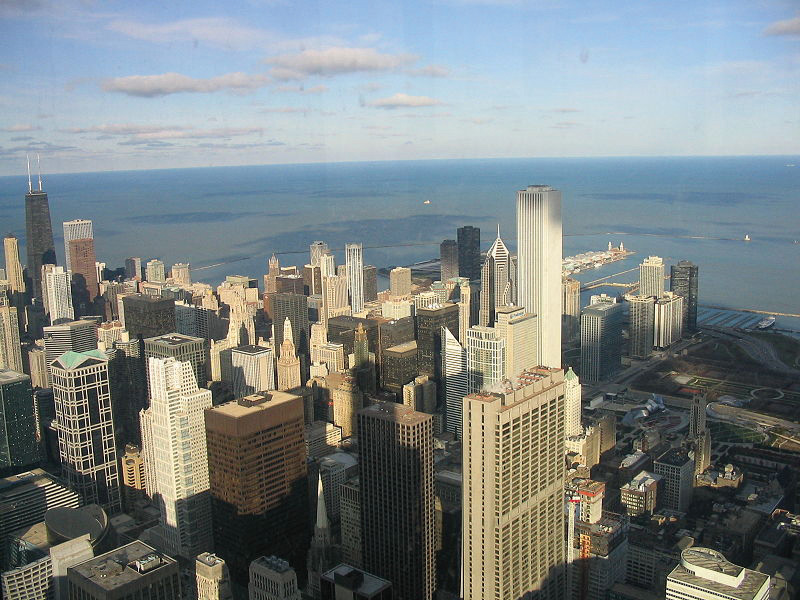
(94, 86)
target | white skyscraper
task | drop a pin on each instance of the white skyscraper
(454, 380)
(668, 320)
(572, 404)
(253, 370)
(651, 277)
(10, 350)
(155, 271)
(58, 283)
(316, 250)
(177, 446)
(539, 266)
(486, 358)
(354, 257)
(518, 328)
(495, 282)
(79, 229)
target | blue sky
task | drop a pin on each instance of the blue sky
(130, 85)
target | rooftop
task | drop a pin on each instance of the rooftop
(73, 360)
(708, 569)
(252, 349)
(404, 347)
(124, 565)
(173, 339)
(391, 411)
(9, 376)
(273, 563)
(674, 457)
(254, 402)
(642, 481)
(356, 580)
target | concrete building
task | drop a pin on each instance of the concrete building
(651, 277)
(58, 284)
(684, 281)
(396, 453)
(455, 380)
(75, 230)
(347, 399)
(513, 542)
(322, 438)
(18, 446)
(350, 522)
(14, 272)
(75, 336)
(486, 358)
(181, 273)
(705, 574)
(132, 571)
(668, 320)
(185, 348)
(334, 470)
(83, 413)
(85, 280)
(175, 452)
(10, 349)
(354, 261)
(400, 282)
(448, 258)
(539, 266)
(133, 267)
(469, 252)
(572, 404)
(257, 471)
(253, 370)
(271, 578)
(495, 282)
(518, 329)
(133, 476)
(344, 582)
(677, 470)
(640, 494)
(570, 308)
(641, 331)
(155, 271)
(212, 578)
(295, 308)
(289, 371)
(601, 340)
(699, 434)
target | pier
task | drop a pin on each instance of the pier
(771, 313)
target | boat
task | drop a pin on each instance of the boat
(746, 237)
(427, 202)
(765, 323)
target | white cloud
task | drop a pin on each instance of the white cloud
(431, 71)
(124, 129)
(217, 31)
(285, 110)
(405, 101)
(300, 89)
(787, 27)
(335, 61)
(163, 132)
(565, 110)
(151, 86)
(20, 127)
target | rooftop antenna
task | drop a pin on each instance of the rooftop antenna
(30, 185)
(498, 231)
(39, 165)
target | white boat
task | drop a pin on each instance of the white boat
(427, 202)
(746, 237)
(765, 323)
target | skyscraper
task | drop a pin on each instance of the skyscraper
(469, 252)
(668, 320)
(370, 277)
(14, 271)
(175, 453)
(74, 336)
(79, 229)
(58, 284)
(397, 499)
(38, 234)
(601, 340)
(640, 331)
(518, 329)
(148, 316)
(570, 308)
(85, 427)
(84, 274)
(10, 350)
(448, 257)
(316, 250)
(184, 348)
(513, 510)
(18, 446)
(455, 381)
(429, 335)
(257, 470)
(181, 273)
(295, 308)
(495, 284)
(253, 370)
(212, 578)
(133, 267)
(684, 282)
(572, 404)
(486, 357)
(288, 362)
(705, 573)
(651, 276)
(155, 271)
(354, 256)
(539, 266)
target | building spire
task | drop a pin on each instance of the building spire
(39, 167)
(498, 231)
(322, 526)
(30, 185)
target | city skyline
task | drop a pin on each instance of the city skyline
(272, 82)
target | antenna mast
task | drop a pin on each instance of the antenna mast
(30, 185)
(39, 165)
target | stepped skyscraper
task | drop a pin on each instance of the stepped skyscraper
(539, 265)
(39, 234)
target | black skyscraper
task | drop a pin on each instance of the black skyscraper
(683, 281)
(469, 252)
(148, 316)
(39, 235)
(295, 307)
(448, 254)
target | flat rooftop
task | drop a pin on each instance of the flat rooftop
(173, 339)
(674, 457)
(356, 580)
(404, 347)
(9, 376)
(124, 565)
(252, 349)
(391, 411)
(252, 403)
(714, 561)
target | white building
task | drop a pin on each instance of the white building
(155, 271)
(354, 257)
(651, 276)
(518, 328)
(495, 282)
(211, 577)
(175, 453)
(400, 282)
(486, 358)
(181, 273)
(10, 350)
(79, 229)
(668, 320)
(454, 380)
(253, 370)
(272, 579)
(539, 266)
(58, 283)
(572, 404)
(705, 574)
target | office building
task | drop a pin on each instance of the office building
(75, 336)
(10, 349)
(640, 494)
(148, 316)
(39, 244)
(181, 274)
(14, 272)
(705, 574)
(651, 276)
(18, 436)
(195, 321)
(677, 470)
(85, 287)
(253, 370)
(354, 256)
(295, 308)
(85, 428)
(641, 332)
(322, 438)
(400, 282)
(396, 453)
(345, 582)
(399, 366)
(455, 380)
(271, 578)
(699, 434)
(184, 348)
(683, 281)
(513, 510)
(396, 309)
(133, 476)
(572, 404)
(539, 266)
(430, 321)
(469, 252)
(79, 229)
(174, 447)
(668, 320)
(58, 284)
(486, 358)
(370, 278)
(350, 521)
(448, 257)
(570, 308)
(518, 328)
(347, 399)
(155, 272)
(601, 339)
(132, 571)
(289, 376)
(257, 471)
(212, 578)
(316, 250)
(495, 283)
(133, 267)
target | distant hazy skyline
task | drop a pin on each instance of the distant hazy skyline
(121, 85)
